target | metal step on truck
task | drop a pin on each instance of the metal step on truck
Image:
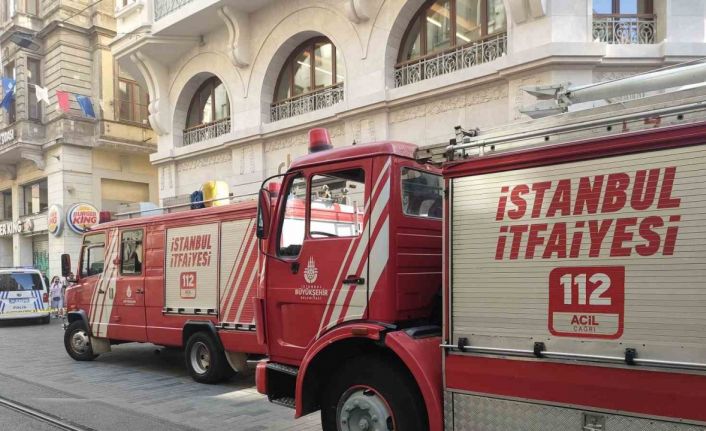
(552, 279)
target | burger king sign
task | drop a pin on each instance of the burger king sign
(81, 216)
(55, 220)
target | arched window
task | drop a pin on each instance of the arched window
(314, 65)
(311, 78)
(209, 113)
(209, 104)
(443, 24)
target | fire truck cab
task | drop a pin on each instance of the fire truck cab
(351, 269)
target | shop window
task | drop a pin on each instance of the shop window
(337, 204)
(422, 193)
(33, 78)
(133, 103)
(293, 223)
(131, 253)
(93, 255)
(6, 197)
(36, 197)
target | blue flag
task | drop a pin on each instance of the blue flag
(8, 88)
(86, 105)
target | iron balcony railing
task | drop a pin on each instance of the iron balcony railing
(206, 131)
(624, 29)
(324, 98)
(462, 57)
(163, 8)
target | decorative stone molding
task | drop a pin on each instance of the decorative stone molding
(205, 161)
(238, 26)
(35, 157)
(474, 97)
(300, 139)
(357, 11)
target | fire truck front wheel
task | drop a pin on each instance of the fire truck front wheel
(372, 393)
(205, 361)
(77, 342)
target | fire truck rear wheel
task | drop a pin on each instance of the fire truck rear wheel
(77, 342)
(372, 393)
(204, 360)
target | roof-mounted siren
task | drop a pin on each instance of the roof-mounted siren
(319, 140)
(555, 99)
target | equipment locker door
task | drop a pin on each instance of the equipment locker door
(127, 321)
(322, 240)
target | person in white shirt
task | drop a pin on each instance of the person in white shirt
(56, 295)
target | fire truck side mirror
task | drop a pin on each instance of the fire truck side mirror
(65, 265)
(263, 213)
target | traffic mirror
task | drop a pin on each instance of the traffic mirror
(65, 265)
(263, 213)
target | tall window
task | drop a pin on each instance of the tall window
(10, 73)
(36, 197)
(209, 105)
(314, 65)
(443, 24)
(6, 198)
(33, 78)
(132, 256)
(133, 102)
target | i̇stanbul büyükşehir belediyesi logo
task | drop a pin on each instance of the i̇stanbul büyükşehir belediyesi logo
(311, 272)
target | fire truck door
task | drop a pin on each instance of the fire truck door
(322, 240)
(127, 320)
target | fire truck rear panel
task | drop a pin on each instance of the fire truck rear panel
(598, 263)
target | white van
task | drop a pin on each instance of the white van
(24, 294)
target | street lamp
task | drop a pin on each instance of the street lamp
(24, 40)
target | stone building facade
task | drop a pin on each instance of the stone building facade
(466, 67)
(50, 157)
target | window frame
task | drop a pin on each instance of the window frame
(402, 209)
(134, 103)
(32, 101)
(282, 211)
(209, 81)
(142, 251)
(309, 208)
(615, 11)
(307, 46)
(4, 194)
(87, 246)
(454, 41)
(11, 115)
(24, 196)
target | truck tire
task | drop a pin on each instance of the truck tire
(204, 360)
(77, 342)
(372, 393)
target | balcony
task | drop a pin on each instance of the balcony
(459, 58)
(204, 132)
(624, 29)
(324, 98)
(163, 8)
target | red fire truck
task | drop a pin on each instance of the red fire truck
(185, 280)
(574, 252)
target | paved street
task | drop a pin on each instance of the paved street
(136, 387)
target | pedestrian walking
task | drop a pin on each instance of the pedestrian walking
(56, 293)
